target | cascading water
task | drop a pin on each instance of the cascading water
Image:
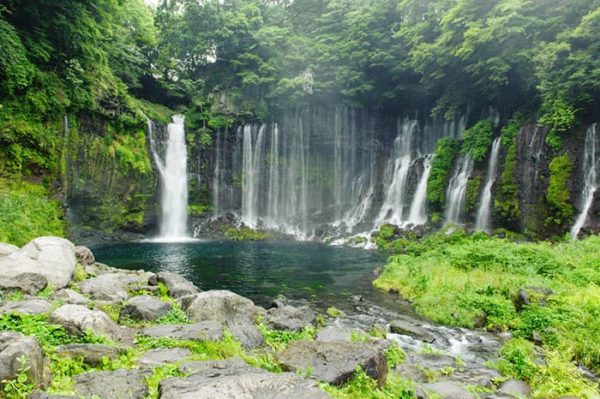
(174, 184)
(591, 166)
(252, 164)
(484, 213)
(457, 190)
(418, 209)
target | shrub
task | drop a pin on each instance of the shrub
(477, 140)
(445, 152)
(557, 195)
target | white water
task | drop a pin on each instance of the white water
(418, 209)
(174, 189)
(457, 190)
(484, 213)
(590, 173)
(253, 160)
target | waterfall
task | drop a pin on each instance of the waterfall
(273, 194)
(173, 174)
(217, 177)
(418, 209)
(457, 190)
(484, 213)
(590, 173)
(252, 164)
(392, 210)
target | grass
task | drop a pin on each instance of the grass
(473, 281)
(27, 212)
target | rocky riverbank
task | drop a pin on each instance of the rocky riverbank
(72, 327)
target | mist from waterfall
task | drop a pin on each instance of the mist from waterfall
(174, 184)
(591, 166)
(484, 212)
(456, 192)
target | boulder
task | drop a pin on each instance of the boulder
(178, 286)
(110, 286)
(230, 310)
(411, 328)
(90, 353)
(52, 257)
(334, 362)
(203, 331)
(15, 347)
(28, 306)
(515, 388)
(161, 356)
(145, 308)
(233, 378)
(122, 384)
(531, 295)
(84, 256)
(69, 296)
(27, 283)
(290, 318)
(76, 319)
(444, 390)
(335, 333)
(7, 249)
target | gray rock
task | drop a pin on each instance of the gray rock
(44, 395)
(76, 319)
(90, 353)
(248, 385)
(446, 390)
(161, 356)
(530, 295)
(230, 310)
(483, 377)
(109, 287)
(515, 388)
(145, 307)
(27, 283)
(433, 361)
(178, 286)
(84, 256)
(334, 362)
(203, 331)
(215, 368)
(412, 372)
(122, 384)
(69, 296)
(411, 328)
(290, 318)
(13, 348)
(28, 306)
(7, 249)
(335, 333)
(52, 257)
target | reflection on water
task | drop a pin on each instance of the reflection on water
(258, 270)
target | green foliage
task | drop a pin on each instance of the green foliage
(506, 203)
(26, 212)
(246, 234)
(278, 339)
(445, 152)
(517, 360)
(557, 194)
(20, 387)
(175, 316)
(477, 140)
(395, 356)
(159, 374)
(363, 386)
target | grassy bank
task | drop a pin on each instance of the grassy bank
(27, 211)
(478, 281)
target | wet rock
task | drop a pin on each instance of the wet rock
(445, 389)
(84, 256)
(203, 331)
(30, 306)
(483, 377)
(162, 356)
(122, 384)
(51, 257)
(145, 307)
(531, 295)
(433, 361)
(230, 310)
(178, 286)
(223, 383)
(76, 319)
(69, 296)
(13, 348)
(334, 362)
(110, 286)
(411, 328)
(27, 283)
(290, 318)
(515, 388)
(90, 353)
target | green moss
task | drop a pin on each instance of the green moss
(557, 195)
(477, 140)
(473, 192)
(245, 234)
(445, 151)
(506, 203)
(27, 212)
